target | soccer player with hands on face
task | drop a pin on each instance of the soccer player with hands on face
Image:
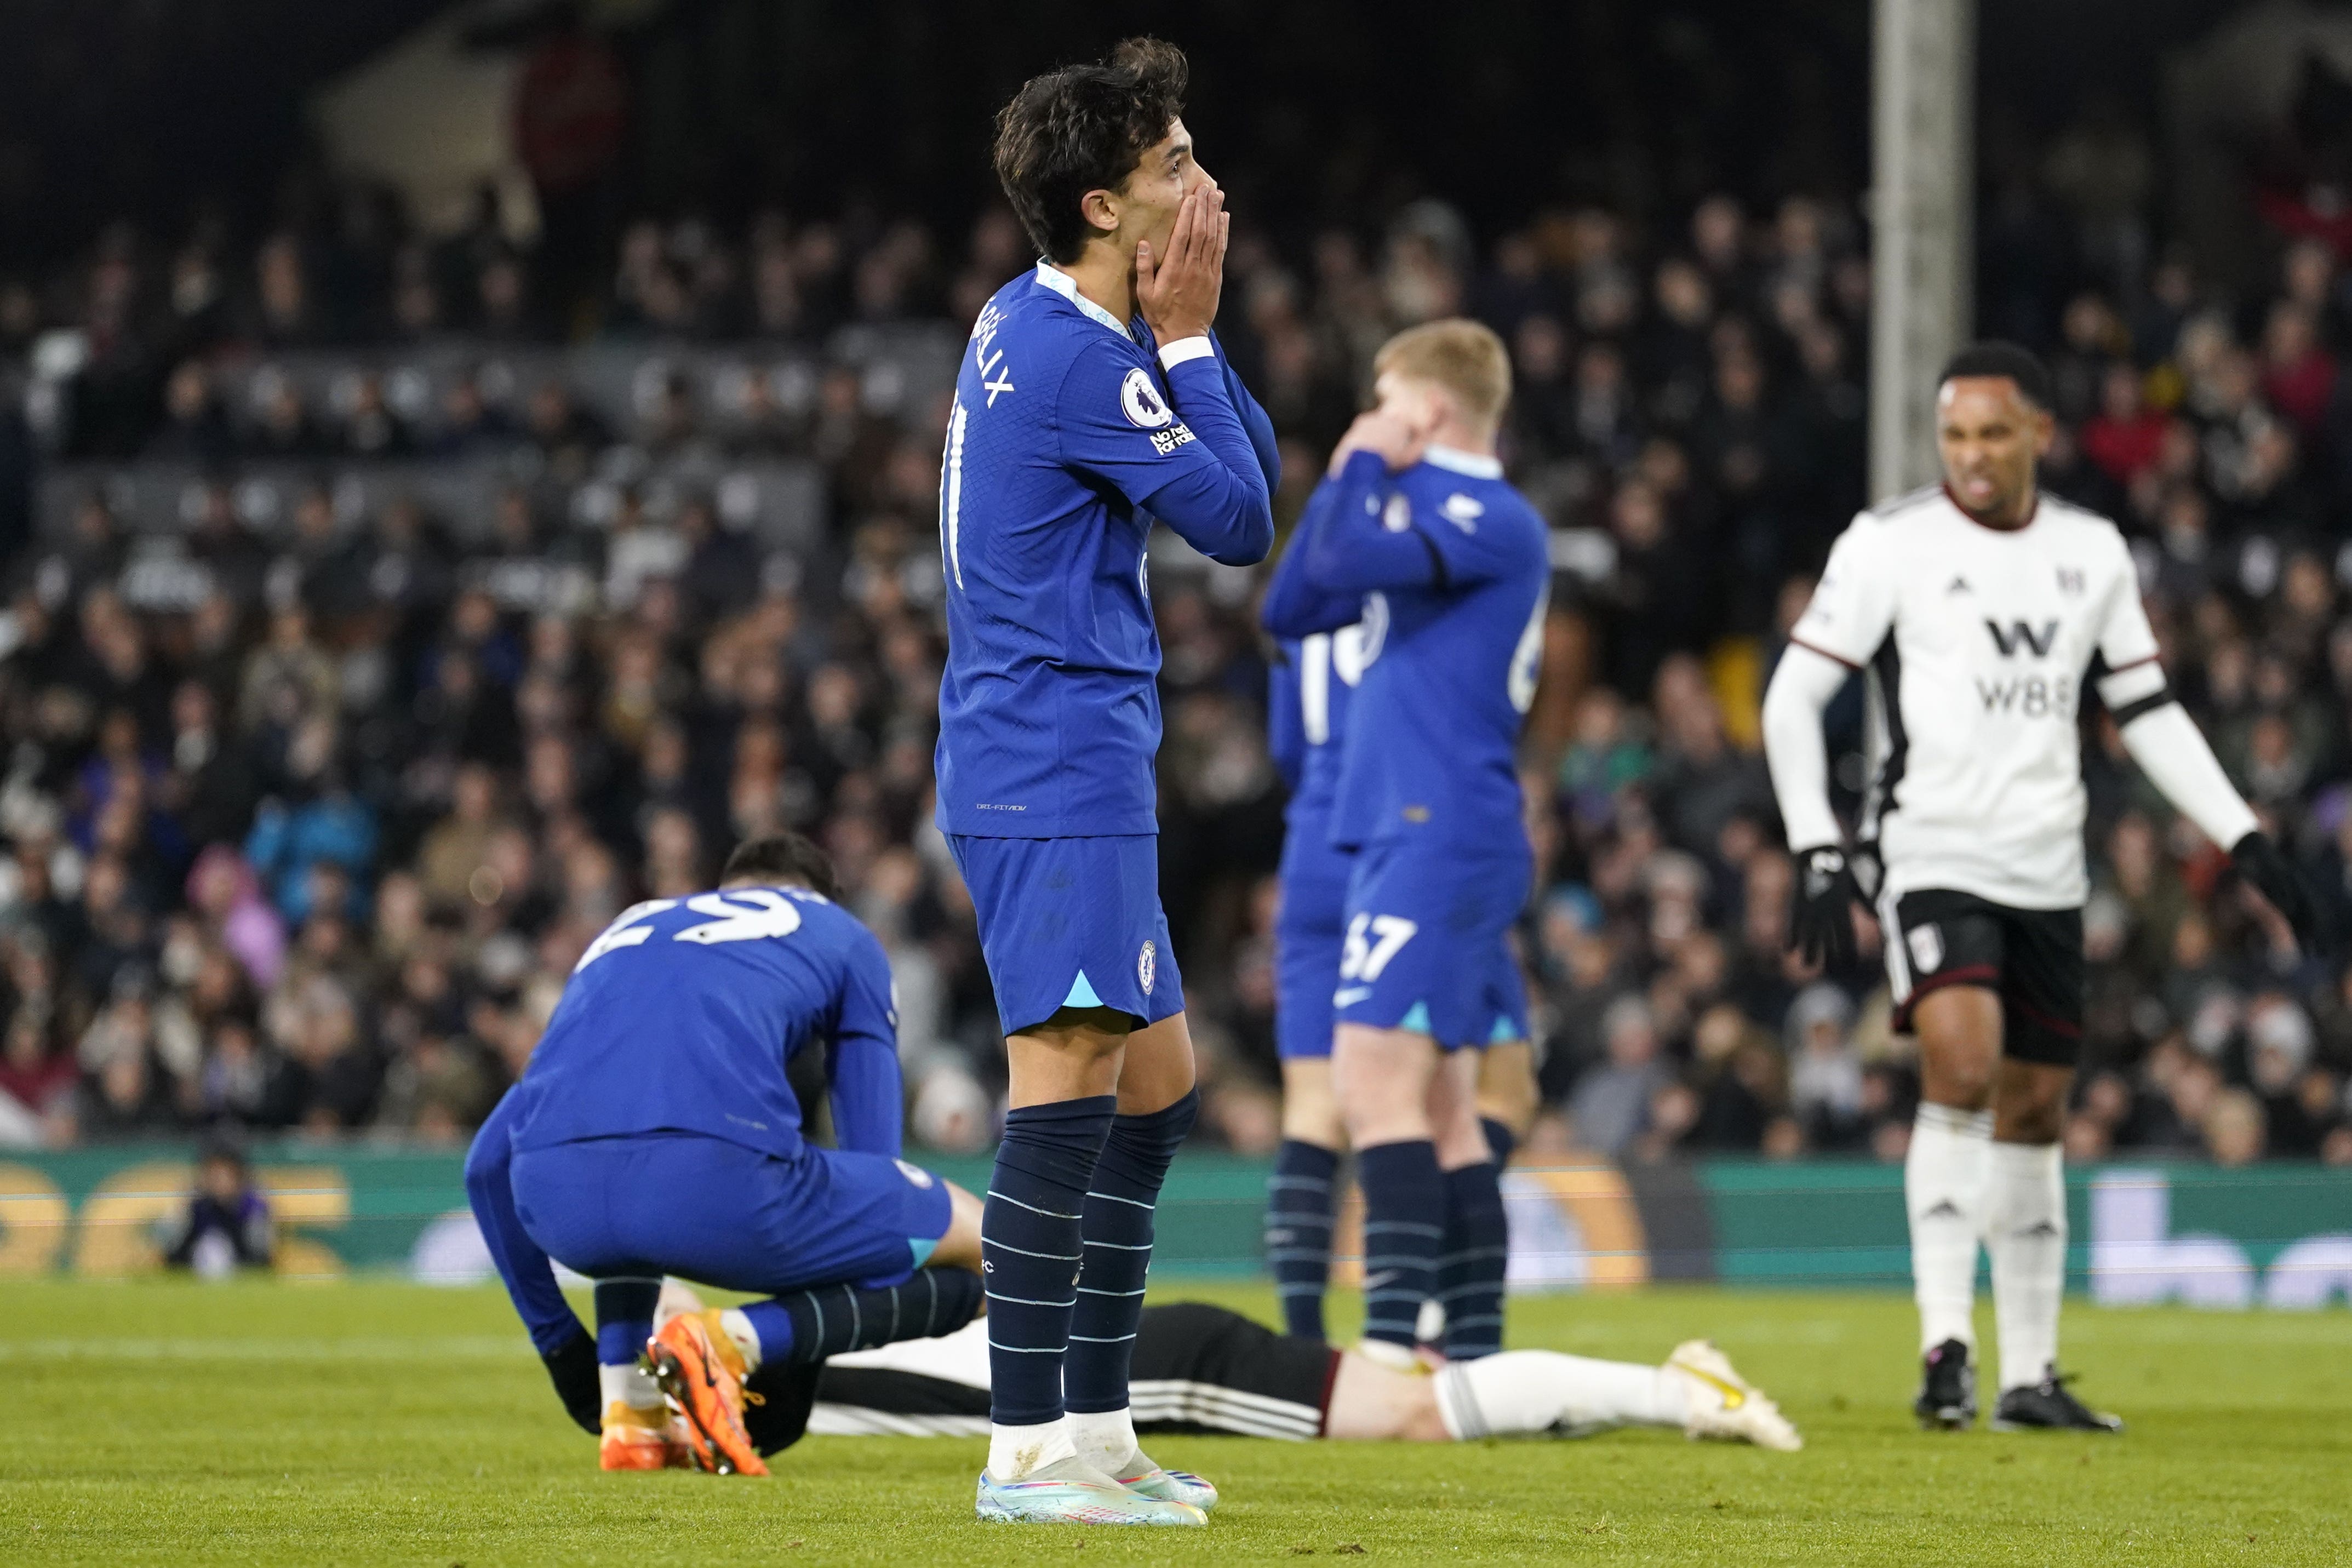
(1093, 400)
(1981, 609)
(1437, 571)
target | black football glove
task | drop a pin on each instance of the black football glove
(1821, 919)
(2259, 861)
(572, 1367)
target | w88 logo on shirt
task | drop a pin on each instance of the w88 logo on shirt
(2029, 696)
(2034, 695)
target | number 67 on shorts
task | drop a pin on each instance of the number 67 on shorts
(1427, 945)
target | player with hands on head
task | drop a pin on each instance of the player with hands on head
(1325, 643)
(1093, 401)
(1416, 536)
(1980, 609)
(1322, 652)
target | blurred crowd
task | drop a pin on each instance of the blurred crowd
(310, 807)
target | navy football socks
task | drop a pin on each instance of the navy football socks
(1404, 1228)
(624, 1319)
(1470, 1271)
(1115, 1227)
(1298, 1232)
(1029, 1235)
(807, 1326)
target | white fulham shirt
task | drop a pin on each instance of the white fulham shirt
(1978, 642)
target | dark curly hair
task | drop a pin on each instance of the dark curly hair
(1080, 129)
(782, 858)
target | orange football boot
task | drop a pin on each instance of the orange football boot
(701, 1370)
(640, 1441)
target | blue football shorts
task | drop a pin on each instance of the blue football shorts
(1306, 940)
(721, 1214)
(1426, 945)
(1071, 923)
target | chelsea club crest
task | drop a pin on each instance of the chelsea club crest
(1147, 966)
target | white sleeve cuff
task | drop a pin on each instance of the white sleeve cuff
(1195, 347)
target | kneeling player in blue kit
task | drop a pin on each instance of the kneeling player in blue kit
(656, 1132)
(1453, 572)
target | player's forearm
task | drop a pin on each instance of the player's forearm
(869, 1103)
(1800, 691)
(1295, 607)
(1351, 549)
(1226, 510)
(1255, 421)
(2168, 747)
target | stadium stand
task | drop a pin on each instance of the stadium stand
(374, 642)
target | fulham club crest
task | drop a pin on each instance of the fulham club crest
(1927, 944)
(1147, 966)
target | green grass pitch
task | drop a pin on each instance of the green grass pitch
(376, 1423)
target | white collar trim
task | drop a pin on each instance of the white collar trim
(1473, 464)
(1061, 283)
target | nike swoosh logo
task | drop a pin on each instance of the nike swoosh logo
(1734, 1396)
(1350, 996)
(1374, 1281)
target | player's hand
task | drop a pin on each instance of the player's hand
(1820, 917)
(2259, 861)
(1377, 430)
(1178, 292)
(572, 1367)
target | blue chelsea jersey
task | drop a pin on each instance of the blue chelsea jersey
(1068, 436)
(1311, 694)
(682, 1016)
(1321, 638)
(1454, 572)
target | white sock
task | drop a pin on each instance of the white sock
(628, 1384)
(2025, 1231)
(747, 1338)
(1104, 1438)
(1015, 1451)
(1944, 1180)
(1521, 1392)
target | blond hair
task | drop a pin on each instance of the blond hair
(1465, 357)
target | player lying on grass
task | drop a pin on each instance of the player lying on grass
(656, 1132)
(1200, 1368)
